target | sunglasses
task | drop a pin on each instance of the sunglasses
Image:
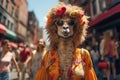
(60, 22)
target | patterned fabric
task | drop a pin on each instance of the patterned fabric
(51, 69)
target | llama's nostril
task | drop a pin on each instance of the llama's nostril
(66, 30)
(65, 27)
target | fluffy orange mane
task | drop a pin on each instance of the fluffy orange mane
(72, 12)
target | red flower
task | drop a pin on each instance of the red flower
(61, 11)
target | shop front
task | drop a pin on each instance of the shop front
(109, 20)
(10, 35)
(2, 32)
(2, 29)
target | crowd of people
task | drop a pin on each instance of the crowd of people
(6, 57)
(25, 58)
(64, 60)
(28, 58)
(106, 57)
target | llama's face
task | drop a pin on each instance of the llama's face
(65, 27)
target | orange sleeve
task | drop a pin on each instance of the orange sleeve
(53, 69)
(48, 70)
(41, 74)
(89, 70)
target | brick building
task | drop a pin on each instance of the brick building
(105, 16)
(32, 30)
(8, 18)
(22, 19)
(13, 19)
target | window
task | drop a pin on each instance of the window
(8, 23)
(102, 4)
(4, 20)
(11, 26)
(30, 22)
(1, 2)
(16, 13)
(94, 7)
(7, 3)
(12, 11)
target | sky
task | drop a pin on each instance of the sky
(41, 8)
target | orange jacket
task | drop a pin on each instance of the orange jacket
(50, 66)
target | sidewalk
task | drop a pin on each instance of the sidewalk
(13, 75)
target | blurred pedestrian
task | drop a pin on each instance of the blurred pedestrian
(38, 56)
(109, 54)
(117, 61)
(95, 57)
(25, 57)
(12, 49)
(6, 57)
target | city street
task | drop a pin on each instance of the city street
(63, 39)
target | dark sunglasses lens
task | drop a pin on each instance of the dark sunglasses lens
(71, 22)
(59, 22)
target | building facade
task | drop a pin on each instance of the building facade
(8, 18)
(105, 17)
(22, 19)
(32, 29)
(41, 32)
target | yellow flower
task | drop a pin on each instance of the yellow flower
(74, 13)
(48, 15)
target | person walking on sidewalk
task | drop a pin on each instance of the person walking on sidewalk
(38, 56)
(6, 57)
(24, 60)
(109, 53)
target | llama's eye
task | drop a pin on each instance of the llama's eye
(59, 22)
(71, 22)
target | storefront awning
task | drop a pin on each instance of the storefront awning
(2, 29)
(10, 34)
(105, 15)
(14, 45)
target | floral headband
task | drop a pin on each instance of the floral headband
(74, 13)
